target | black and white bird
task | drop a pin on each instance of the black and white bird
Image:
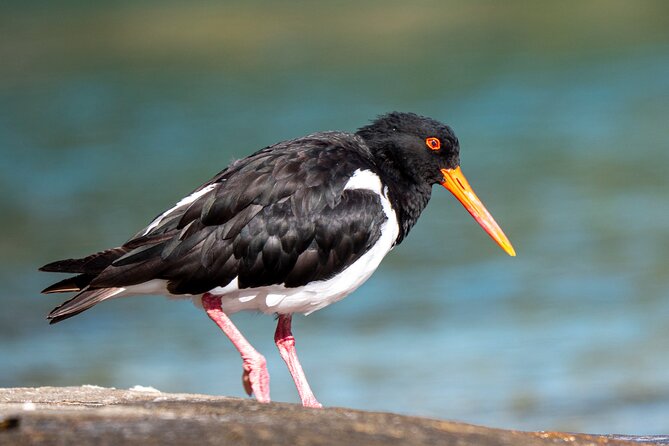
(290, 229)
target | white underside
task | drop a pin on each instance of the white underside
(308, 298)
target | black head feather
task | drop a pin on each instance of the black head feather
(398, 142)
(409, 166)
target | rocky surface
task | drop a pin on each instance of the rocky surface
(91, 415)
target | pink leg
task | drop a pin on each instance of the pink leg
(255, 377)
(286, 343)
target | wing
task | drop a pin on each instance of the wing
(280, 216)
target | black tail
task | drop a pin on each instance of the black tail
(81, 302)
(92, 264)
(86, 269)
(76, 283)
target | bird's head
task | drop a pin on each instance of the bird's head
(424, 151)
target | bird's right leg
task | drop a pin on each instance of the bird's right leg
(255, 377)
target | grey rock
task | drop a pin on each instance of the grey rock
(91, 415)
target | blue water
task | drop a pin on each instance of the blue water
(567, 149)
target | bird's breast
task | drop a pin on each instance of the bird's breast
(318, 294)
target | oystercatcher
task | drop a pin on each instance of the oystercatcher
(289, 229)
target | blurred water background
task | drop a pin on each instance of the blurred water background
(112, 111)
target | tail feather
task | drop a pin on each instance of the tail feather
(92, 264)
(76, 283)
(81, 302)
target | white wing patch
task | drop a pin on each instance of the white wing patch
(366, 179)
(183, 202)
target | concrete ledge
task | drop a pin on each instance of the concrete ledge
(91, 415)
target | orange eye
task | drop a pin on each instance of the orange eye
(433, 143)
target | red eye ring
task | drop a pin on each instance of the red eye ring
(433, 143)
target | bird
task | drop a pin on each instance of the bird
(290, 229)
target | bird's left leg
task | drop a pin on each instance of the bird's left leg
(255, 377)
(286, 344)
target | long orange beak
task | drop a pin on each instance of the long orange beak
(458, 185)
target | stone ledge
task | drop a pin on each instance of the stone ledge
(91, 415)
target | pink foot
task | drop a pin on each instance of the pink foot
(255, 377)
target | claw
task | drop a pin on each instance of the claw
(246, 382)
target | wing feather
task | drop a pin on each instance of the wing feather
(282, 215)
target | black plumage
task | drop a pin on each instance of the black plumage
(280, 216)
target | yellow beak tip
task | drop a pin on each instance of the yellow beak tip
(509, 249)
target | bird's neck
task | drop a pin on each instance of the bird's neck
(408, 201)
(408, 196)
